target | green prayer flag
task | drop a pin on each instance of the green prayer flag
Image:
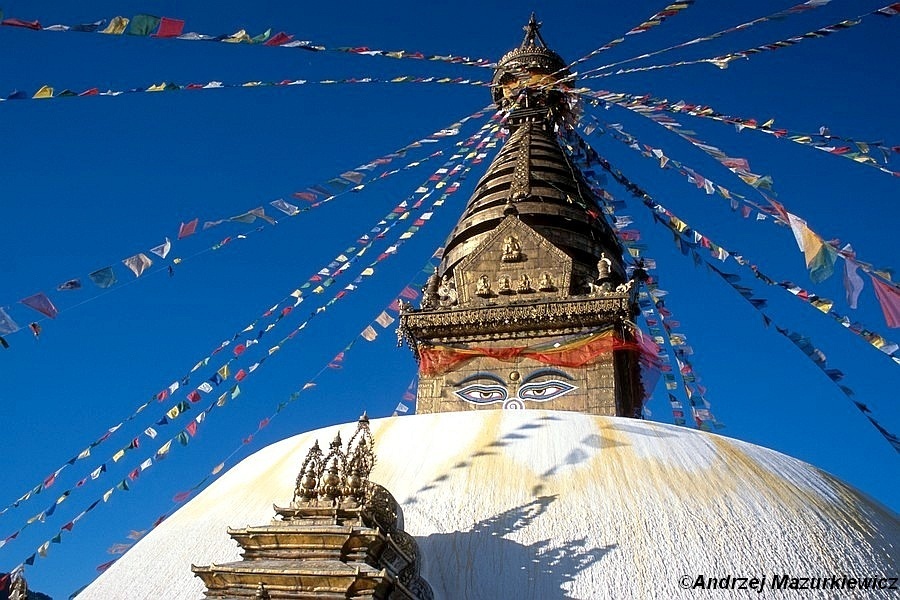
(259, 39)
(822, 265)
(143, 25)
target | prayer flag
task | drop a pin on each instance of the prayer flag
(137, 263)
(285, 207)
(103, 278)
(401, 408)
(169, 28)
(889, 298)
(384, 319)
(45, 92)
(41, 303)
(7, 325)
(853, 283)
(72, 284)
(279, 38)
(163, 249)
(187, 229)
(116, 26)
(143, 25)
(369, 334)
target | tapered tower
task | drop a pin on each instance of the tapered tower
(530, 306)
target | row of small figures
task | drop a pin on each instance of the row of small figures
(505, 286)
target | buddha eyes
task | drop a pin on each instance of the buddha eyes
(482, 394)
(544, 390)
(540, 391)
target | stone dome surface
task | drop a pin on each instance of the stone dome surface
(547, 504)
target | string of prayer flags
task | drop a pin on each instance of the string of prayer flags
(802, 342)
(294, 297)
(723, 60)
(106, 277)
(808, 5)
(821, 260)
(824, 140)
(183, 437)
(167, 27)
(669, 11)
(689, 239)
(47, 92)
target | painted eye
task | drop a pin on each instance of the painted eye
(544, 390)
(482, 394)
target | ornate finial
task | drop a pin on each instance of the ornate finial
(342, 474)
(532, 30)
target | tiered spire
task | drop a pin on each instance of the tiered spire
(530, 307)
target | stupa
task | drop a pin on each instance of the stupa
(569, 494)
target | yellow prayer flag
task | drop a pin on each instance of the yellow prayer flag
(318, 290)
(812, 245)
(116, 26)
(159, 87)
(367, 271)
(237, 37)
(118, 456)
(45, 92)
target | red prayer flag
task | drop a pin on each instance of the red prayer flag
(20, 23)
(187, 229)
(278, 39)
(192, 428)
(889, 298)
(194, 396)
(134, 474)
(239, 349)
(409, 293)
(169, 28)
(106, 565)
(240, 375)
(181, 497)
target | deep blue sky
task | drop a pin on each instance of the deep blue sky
(88, 182)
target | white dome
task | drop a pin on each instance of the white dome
(546, 504)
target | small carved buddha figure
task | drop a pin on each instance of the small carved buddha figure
(524, 284)
(483, 287)
(504, 285)
(545, 282)
(447, 293)
(512, 252)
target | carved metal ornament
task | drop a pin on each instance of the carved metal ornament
(512, 251)
(515, 321)
(341, 475)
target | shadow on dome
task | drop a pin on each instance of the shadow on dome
(499, 567)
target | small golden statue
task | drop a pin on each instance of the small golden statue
(504, 285)
(512, 252)
(483, 287)
(524, 284)
(545, 282)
